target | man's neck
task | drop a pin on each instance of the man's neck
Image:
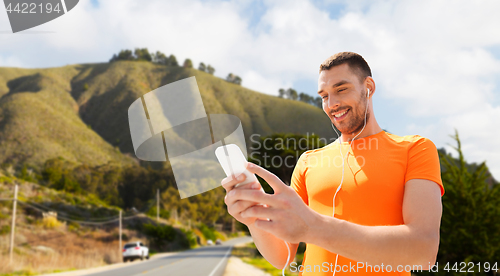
(370, 129)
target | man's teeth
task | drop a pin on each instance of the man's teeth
(340, 114)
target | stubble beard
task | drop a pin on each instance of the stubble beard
(357, 120)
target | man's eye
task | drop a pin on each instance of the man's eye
(340, 90)
(324, 97)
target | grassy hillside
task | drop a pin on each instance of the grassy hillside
(79, 112)
(39, 119)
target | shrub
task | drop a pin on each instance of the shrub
(209, 233)
(5, 179)
(4, 230)
(50, 222)
(159, 234)
(190, 240)
(164, 214)
(73, 227)
(221, 236)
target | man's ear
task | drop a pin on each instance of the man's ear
(370, 84)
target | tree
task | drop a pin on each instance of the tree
(210, 70)
(233, 79)
(281, 93)
(292, 94)
(160, 58)
(202, 67)
(187, 63)
(471, 210)
(142, 54)
(237, 80)
(172, 61)
(303, 97)
(318, 101)
(123, 55)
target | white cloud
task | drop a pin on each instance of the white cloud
(10, 61)
(262, 84)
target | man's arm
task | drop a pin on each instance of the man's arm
(270, 247)
(415, 242)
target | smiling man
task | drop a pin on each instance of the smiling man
(370, 202)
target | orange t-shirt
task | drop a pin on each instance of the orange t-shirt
(376, 169)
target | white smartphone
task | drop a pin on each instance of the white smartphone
(233, 162)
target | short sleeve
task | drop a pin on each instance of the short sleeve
(423, 162)
(298, 178)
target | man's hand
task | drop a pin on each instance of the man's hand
(270, 245)
(235, 207)
(282, 214)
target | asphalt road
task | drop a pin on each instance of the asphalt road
(205, 261)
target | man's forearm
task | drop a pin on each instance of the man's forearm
(272, 248)
(394, 245)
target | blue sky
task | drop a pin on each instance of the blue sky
(436, 63)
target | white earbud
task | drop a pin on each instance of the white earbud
(367, 93)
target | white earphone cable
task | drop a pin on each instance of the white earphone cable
(342, 179)
(287, 259)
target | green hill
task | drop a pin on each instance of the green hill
(39, 120)
(79, 112)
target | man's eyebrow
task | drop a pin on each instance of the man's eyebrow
(342, 82)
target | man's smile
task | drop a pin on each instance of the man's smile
(341, 114)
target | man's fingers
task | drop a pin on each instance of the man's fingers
(229, 182)
(254, 195)
(259, 211)
(268, 176)
(240, 206)
(265, 225)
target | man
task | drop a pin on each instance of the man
(385, 191)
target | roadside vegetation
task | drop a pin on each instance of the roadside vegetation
(60, 230)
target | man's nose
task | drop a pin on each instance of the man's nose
(332, 103)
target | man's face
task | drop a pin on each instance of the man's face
(344, 96)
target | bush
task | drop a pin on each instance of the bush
(164, 214)
(50, 222)
(73, 227)
(209, 233)
(4, 230)
(5, 179)
(28, 174)
(221, 236)
(190, 240)
(159, 234)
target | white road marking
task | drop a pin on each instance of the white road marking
(227, 253)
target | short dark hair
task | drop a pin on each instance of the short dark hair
(355, 61)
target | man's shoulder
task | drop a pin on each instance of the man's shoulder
(318, 150)
(391, 140)
(408, 140)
